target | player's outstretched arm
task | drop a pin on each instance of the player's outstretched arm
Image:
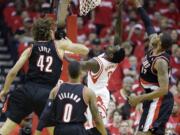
(62, 12)
(90, 65)
(13, 72)
(145, 18)
(47, 112)
(118, 25)
(161, 66)
(94, 111)
(67, 45)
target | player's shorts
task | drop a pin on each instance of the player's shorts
(70, 129)
(29, 98)
(156, 114)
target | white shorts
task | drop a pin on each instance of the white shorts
(103, 98)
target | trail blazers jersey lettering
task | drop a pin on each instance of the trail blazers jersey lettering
(70, 105)
(148, 74)
(44, 64)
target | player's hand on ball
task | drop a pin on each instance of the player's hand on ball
(134, 100)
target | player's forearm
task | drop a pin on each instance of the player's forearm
(117, 39)
(80, 49)
(153, 95)
(147, 22)
(118, 26)
(98, 122)
(100, 127)
(9, 79)
(62, 12)
(68, 58)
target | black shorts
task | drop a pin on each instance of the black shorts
(156, 114)
(70, 129)
(29, 98)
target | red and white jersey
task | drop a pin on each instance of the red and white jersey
(98, 81)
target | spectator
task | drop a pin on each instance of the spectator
(96, 48)
(111, 108)
(174, 36)
(174, 121)
(125, 128)
(114, 126)
(103, 14)
(175, 63)
(122, 94)
(177, 92)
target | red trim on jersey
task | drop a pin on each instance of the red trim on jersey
(156, 114)
(152, 67)
(99, 72)
(100, 104)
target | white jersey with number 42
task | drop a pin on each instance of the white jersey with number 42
(98, 81)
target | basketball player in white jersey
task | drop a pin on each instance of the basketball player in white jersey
(99, 70)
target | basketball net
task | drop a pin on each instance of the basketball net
(87, 5)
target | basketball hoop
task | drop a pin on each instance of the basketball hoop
(87, 5)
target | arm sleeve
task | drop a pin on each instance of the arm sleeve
(147, 22)
(47, 116)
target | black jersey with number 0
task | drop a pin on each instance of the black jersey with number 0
(148, 74)
(69, 104)
(44, 64)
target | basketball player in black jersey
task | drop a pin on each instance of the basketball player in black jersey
(68, 103)
(154, 78)
(45, 66)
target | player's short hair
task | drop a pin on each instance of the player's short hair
(166, 40)
(118, 56)
(74, 69)
(41, 29)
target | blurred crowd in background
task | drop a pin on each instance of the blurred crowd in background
(96, 31)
